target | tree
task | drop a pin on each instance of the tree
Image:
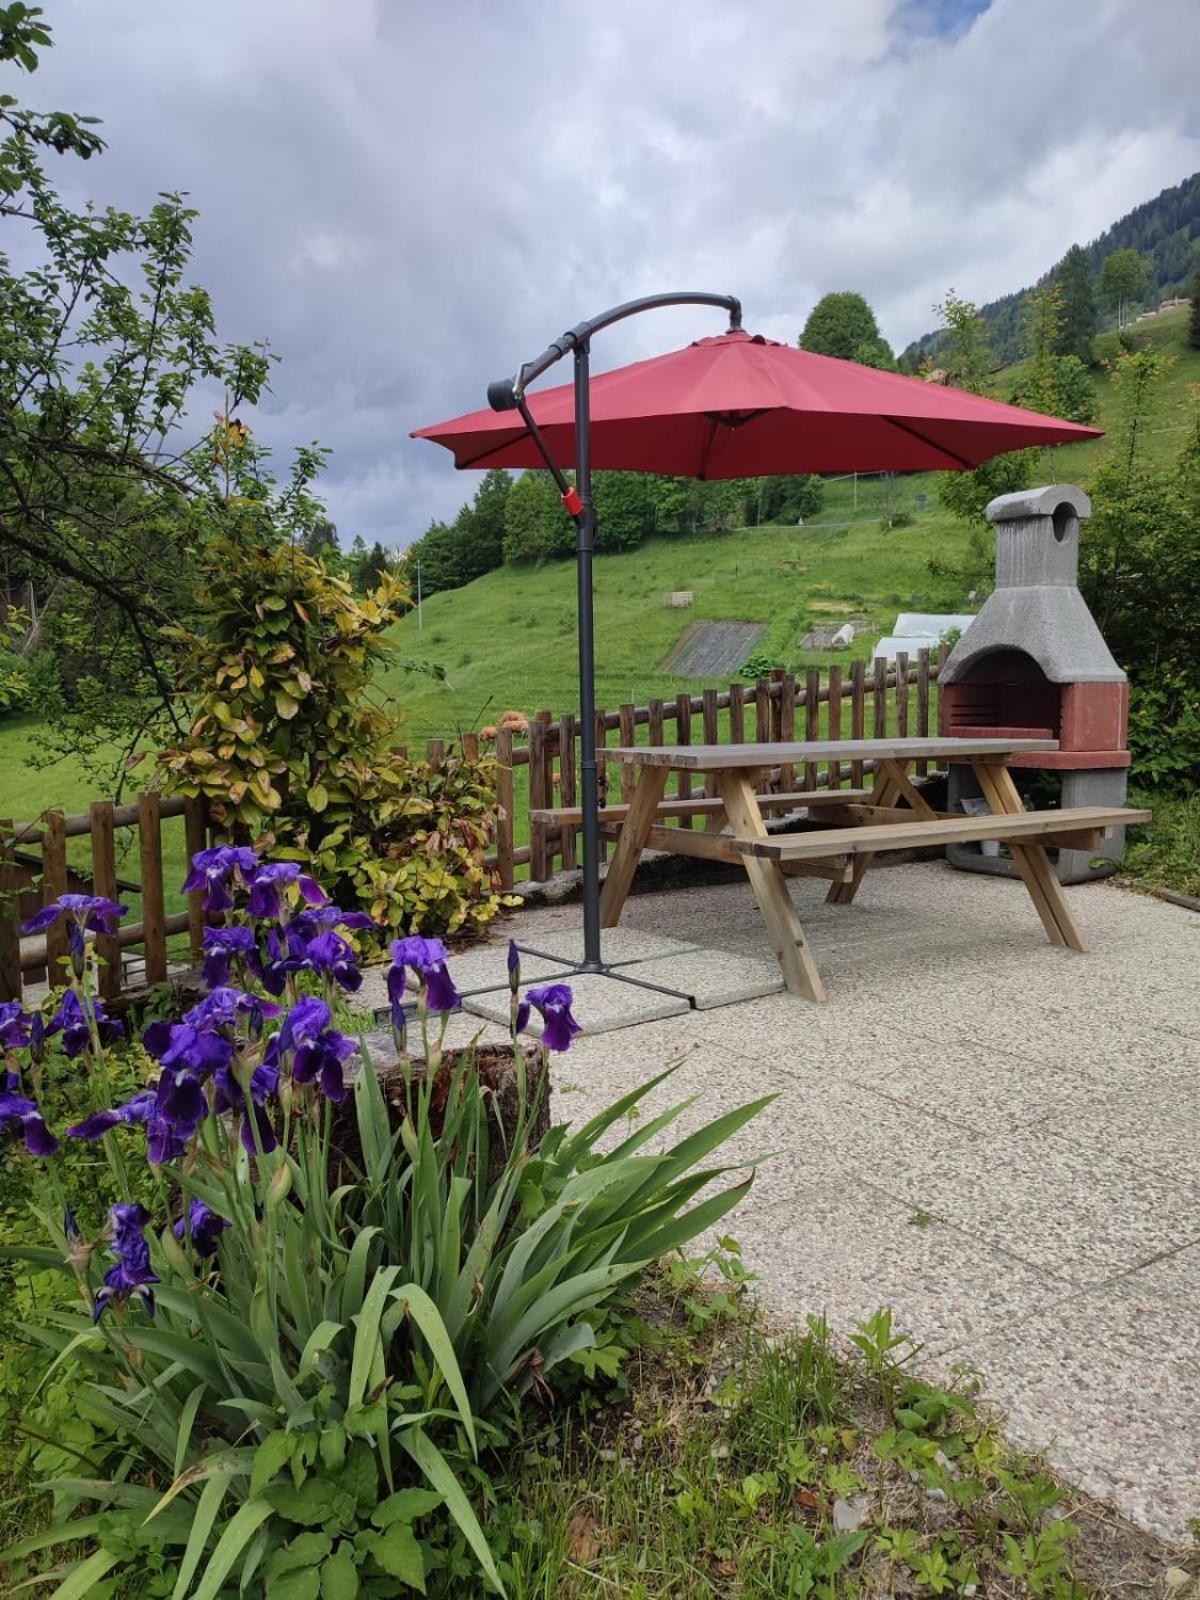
(480, 527)
(844, 325)
(535, 524)
(1057, 385)
(968, 362)
(1121, 279)
(625, 505)
(1077, 327)
(1194, 319)
(106, 485)
(966, 356)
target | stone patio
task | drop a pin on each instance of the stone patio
(996, 1138)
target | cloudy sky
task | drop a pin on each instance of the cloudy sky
(408, 197)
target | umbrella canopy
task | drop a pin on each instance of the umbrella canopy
(741, 406)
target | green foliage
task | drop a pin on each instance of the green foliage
(535, 523)
(964, 353)
(625, 509)
(1121, 280)
(1194, 313)
(1077, 330)
(287, 737)
(1056, 384)
(1165, 854)
(844, 325)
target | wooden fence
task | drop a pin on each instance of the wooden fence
(35, 868)
(869, 699)
(863, 700)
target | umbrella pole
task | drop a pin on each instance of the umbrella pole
(585, 529)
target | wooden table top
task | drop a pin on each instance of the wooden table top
(752, 757)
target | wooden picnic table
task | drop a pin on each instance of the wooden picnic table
(846, 828)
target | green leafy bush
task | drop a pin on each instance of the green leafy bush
(287, 740)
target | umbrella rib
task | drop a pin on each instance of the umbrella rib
(505, 444)
(916, 433)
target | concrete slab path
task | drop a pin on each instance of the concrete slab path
(998, 1139)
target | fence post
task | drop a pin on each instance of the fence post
(858, 714)
(812, 720)
(10, 917)
(104, 881)
(154, 912)
(541, 794)
(628, 735)
(922, 704)
(737, 713)
(901, 694)
(835, 720)
(435, 752)
(566, 785)
(504, 806)
(777, 677)
(54, 883)
(762, 711)
(602, 771)
(655, 719)
(879, 689)
(683, 735)
(712, 734)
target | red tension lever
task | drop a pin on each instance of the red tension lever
(572, 502)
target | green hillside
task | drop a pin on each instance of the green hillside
(1164, 231)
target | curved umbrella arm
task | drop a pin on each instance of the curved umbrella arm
(506, 393)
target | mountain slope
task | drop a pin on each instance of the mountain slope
(1165, 230)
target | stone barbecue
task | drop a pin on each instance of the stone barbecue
(1033, 664)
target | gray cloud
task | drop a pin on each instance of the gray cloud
(408, 198)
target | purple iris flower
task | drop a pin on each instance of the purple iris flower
(222, 946)
(316, 1050)
(204, 1226)
(224, 1007)
(329, 953)
(264, 1082)
(554, 1003)
(14, 1025)
(266, 889)
(71, 1021)
(132, 1273)
(166, 1138)
(320, 919)
(16, 1111)
(514, 966)
(214, 870)
(90, 912)
(427, 958)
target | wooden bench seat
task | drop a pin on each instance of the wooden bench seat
(704, 806)
(1078, 828)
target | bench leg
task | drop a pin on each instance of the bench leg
(800, 971)
(1031, 860)
(634, 833)
(885, 792)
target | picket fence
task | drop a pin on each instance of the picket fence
(537, 771)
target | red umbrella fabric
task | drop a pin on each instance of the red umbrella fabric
(741, 406)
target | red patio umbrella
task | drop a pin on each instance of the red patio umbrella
(735, 406)
(741, 406)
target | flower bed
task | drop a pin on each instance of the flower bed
(292, 1346)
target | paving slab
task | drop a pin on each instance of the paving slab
(619, 946)
(714, 977)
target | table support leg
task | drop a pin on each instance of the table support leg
(634, 833)
(884, 792)
(800, 971)
(1031, 860)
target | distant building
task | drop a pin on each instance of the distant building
(920, 630)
